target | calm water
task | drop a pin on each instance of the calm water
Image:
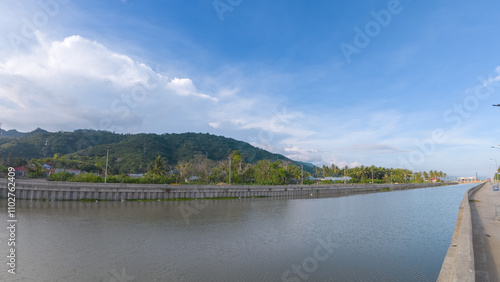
(387, 236)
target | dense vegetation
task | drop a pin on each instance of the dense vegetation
(129, 153)
(172, 158)
(203, 171)
(365, 174)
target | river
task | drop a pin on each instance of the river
(384, 236)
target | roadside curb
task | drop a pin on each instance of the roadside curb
(458, 264)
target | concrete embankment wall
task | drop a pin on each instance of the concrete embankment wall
(48, 190)
(458, 264)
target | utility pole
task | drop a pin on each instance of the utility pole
(46, 148)
(496, 168)
(301, 174)
(345, 174)
(229, 171)
(496, 165)
(107, 157)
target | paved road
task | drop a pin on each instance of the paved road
(486, 233)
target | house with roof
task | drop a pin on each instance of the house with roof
(20, 171)
(47, 167)
(70, 171)
(467, 179)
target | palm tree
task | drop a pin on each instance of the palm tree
(336, 170)
(317, 172)
(159, 166)
(183, 168)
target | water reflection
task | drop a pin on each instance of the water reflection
(389, 236)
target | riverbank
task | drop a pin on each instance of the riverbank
(486, 233)
(373, 236)
(458, 264)
(474, 253)
(48, 190)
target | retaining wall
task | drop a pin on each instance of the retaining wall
(48, 190)
(458, 264)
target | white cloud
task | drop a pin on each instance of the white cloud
(372, 148)
(76, 82)
(214, 124)
(185, 87)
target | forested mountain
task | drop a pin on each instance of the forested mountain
(129, 153)
(15, 133)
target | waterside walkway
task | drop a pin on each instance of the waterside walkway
(486, 232)
(474, 253)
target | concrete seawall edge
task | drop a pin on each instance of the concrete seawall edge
(48, 190)
(458, 264)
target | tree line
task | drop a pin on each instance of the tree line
(365, 174)
(129, 153)
(235, 170)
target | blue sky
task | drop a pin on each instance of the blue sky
(412, 89)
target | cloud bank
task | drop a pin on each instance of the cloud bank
(78, 83)
(75, 82)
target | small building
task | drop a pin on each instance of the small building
(314, 179)
(70, 171)
(467, 179)
(20, 171)
(335, 179)
(47, 167)
(74, 171)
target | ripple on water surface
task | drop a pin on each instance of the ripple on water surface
(390, 236)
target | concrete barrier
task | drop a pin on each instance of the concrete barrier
(458, 264)
(49, 190)
(497, 212)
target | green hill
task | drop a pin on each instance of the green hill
(129, 153)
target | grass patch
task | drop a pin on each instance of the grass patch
(384, 190)
(92, 200)
(192, 199)
(141, 200)
(474, 201)
(214, 198)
